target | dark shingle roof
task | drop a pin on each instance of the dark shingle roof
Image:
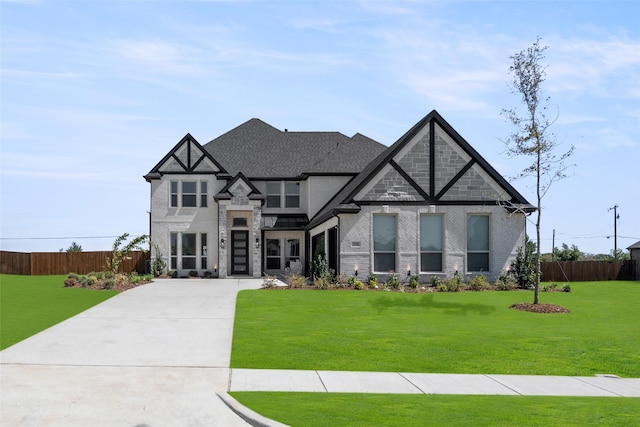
(259, 150)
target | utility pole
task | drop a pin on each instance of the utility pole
(616, 217)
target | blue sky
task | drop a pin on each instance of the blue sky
(95, 93)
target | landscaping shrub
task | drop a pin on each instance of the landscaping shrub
(343, 281)
(358, 285)
(269, 282)
(372, 280)
(173, 274)
(87, 281)
(193, 273)
(414, 281)
(296, 281)
(321, 282)
(505, 282)
(478, 283)
(436, 281)
(394, 281)
(566, 288)
(109, 283)
(454, 284)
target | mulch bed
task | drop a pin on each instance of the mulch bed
(540, 308)
(122, 284)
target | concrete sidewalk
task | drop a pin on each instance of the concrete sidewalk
(156, 355)
(414, 383)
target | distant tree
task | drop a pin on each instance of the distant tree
(532, 137)
(74, 247)
(611, 256)
(568, 253)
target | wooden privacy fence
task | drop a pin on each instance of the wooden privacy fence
(586, 271)
(43, 263)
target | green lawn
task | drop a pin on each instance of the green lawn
(467, 332)
(344, 409)
(30, 304)
(442, 332)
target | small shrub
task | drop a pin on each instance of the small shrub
(193, 273)
(75, 276)
(394, 282)
(87, 281)
(173, 274)
(478, 283)
(321, 282)
(343, 281)
(414, 281)
(453, 284)
(109, 283)
(566, 288)
(97, 275)
(442, 287)
(372, 280)
(296, 281)
(436, 281)
(353, 281)
(269, 282)
(207, 274)
(134, 278)
(358, 285)
(505, 282)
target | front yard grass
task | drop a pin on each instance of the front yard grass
(345, 409)
(466, 332)
(31, 304)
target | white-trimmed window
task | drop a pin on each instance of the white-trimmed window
(187, 193)
(187, 249)
(384, 243)
(273, 194)
(174, 251)
(203, 194)
(478, 243)
(174, 194)
(431, 237)
(279, 191)
(291, 194)
(203, 251)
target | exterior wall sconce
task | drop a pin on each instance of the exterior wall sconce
(222, 243)
(257, 243)
(408, 270)
(355, 267)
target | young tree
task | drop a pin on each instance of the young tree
(532, 136)
(120, 252)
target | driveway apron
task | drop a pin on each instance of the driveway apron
(155, 355)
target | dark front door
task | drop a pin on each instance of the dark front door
(239, 252)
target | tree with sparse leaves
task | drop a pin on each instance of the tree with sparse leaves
(121, 251)
(533, 137)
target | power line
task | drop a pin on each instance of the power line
(57, 238)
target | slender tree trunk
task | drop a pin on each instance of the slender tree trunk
(536, 287)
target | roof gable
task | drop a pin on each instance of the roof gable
(430, 164)
(189, 157)
(239, 186)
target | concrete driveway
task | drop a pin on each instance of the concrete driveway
(155, 355)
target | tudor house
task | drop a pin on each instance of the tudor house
(260, 200)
